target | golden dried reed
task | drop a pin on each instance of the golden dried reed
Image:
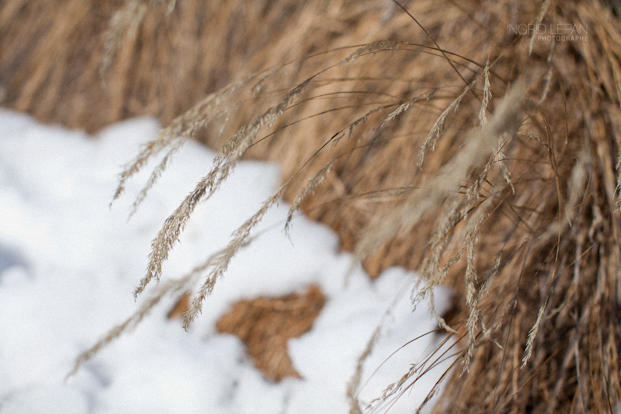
(450, 138)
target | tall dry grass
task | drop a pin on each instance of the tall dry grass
(430, 136)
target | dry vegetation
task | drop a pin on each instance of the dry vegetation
(266, 324)
(485, 159)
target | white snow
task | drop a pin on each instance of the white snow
(69, 265)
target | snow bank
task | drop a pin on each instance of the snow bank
(69, 264)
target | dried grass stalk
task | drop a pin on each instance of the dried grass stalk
(528, 225)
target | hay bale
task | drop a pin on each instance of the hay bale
(371, 139)
(266, 324)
